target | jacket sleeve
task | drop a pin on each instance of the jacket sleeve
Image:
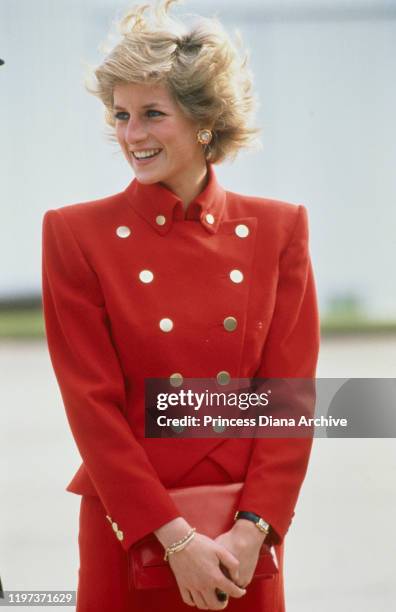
(92, 387)
(277, 466)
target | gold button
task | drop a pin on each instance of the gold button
(230, 323)
(123, 231)
(209, 218)
(119, 535)
(115, 526)
(177, 428)
(218, 428)
(236, 276)
(166, 325)
(176, 379)
(160, 220)
(146, 276)
(242, 230)
(223, 377)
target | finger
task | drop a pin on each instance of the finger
(234, 576)
(199, 600)
(229, 562)
(213, 601)
(187, 597)
(230, 587)
(243, 585)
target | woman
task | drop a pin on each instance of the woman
(176, 277)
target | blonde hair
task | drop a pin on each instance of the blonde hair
(200, 65)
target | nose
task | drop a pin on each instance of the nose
(135, 131)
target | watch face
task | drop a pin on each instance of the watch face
(263, 524)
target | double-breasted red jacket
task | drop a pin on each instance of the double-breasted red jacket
(134, 287)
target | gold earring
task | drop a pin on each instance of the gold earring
(204, 136)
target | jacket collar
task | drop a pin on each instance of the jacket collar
(160, 207)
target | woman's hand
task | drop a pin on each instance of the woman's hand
(197, 571)
(244, 541)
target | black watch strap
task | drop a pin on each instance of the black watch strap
(260, 523)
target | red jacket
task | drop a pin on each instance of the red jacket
(104, 331)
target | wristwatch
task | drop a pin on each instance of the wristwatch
(260, 523)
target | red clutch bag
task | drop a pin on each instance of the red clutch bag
(209, 508)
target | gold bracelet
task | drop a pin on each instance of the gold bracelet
(170, 551)
(180, 544)
(182, 539)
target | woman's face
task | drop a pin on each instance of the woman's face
(148, 118)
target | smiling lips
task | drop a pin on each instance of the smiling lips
(148, 153)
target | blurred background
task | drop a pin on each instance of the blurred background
(324, 73)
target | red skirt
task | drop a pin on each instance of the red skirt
(103, 571)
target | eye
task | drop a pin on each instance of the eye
(118, 115)
(121, 114)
